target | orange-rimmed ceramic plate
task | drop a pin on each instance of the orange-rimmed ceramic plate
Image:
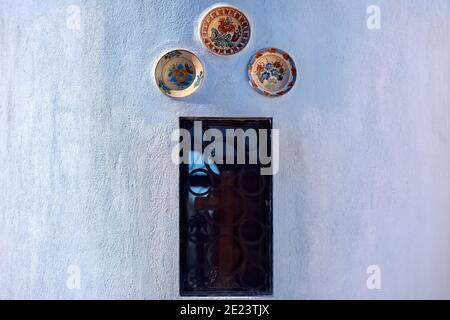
(272, 72)
(225, 30)
(179, 73)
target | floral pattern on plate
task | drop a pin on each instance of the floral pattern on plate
(225, 30)
(182, 75)
(179, 73)
(272, 72)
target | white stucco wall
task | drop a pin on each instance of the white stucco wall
(85, 171)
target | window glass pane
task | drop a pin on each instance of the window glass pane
(225, 212)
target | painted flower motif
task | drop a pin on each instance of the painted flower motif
(260, 68)
(277, 64)
(181, 75)
(264, 76)
(199, 79)
(226, 25)
(272, 72)
(164, 87)
(268, 66)
(172, 54)
(227, 34)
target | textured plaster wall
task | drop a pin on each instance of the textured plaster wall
(85, 171)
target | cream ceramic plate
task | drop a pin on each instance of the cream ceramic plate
(272, 72)
(225, 30)
(179, 73)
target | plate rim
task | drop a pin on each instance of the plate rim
(293, 75)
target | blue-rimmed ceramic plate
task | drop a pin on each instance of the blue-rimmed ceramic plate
(272, 72)
(179, 73)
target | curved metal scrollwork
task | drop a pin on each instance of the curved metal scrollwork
(226, 223)
(227, 232)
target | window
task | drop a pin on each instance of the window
(225, 209)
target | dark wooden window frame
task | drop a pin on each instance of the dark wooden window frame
(265, 123)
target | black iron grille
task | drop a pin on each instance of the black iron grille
(225, 219)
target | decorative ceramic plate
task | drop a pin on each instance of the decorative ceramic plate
(272, 72)
(179, 73)
(225, 30)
